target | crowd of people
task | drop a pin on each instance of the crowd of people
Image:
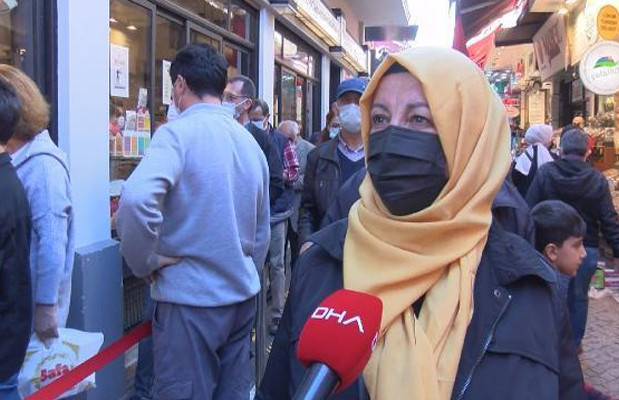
(409, 193)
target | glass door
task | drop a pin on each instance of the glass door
(288, 104)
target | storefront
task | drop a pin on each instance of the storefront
(144, 38)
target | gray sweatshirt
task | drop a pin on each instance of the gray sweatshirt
(201, 193)
(42, 169)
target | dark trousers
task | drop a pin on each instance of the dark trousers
(293, 239)
(202, 353)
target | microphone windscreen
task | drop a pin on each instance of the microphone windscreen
(342, 333)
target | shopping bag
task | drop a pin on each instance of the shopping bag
(46, 362)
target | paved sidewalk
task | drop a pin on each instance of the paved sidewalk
(600, 359)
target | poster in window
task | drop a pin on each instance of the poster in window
(119, 71)
(166, 83)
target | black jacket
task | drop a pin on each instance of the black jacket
(323, 178)
(584, 188)
(276, 170)
(521, 181)
(15, 290)
(518, 345)
(508, 209)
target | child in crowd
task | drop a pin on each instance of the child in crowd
(559, 233)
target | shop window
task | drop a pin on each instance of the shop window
(242, 21)
(297, 91)
(170, 39)
(203, 38)
(238, 61)
(27, 37)
(130, 76)
(215, 11)
(295, 54)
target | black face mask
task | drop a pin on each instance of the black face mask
(408, 169)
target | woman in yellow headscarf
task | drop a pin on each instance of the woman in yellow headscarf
(470, 311)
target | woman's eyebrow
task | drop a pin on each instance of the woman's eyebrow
(379, 105)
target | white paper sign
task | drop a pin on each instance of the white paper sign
(166, 83)
(537, 108)
(550, 44)
(119, 71)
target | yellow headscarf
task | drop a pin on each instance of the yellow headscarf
(436, 251)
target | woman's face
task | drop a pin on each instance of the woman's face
(400, 101)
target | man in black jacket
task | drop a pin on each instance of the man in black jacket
(574, 182)
(333, 162)
(239, 96)
(15, 290)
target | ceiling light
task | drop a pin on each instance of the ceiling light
(132, 28)
(569, 2)
(562, 11)
(113, 20)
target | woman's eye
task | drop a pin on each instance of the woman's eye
(418, 119)
(379, 119)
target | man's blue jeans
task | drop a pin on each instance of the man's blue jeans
(578, 294)
(8, 389)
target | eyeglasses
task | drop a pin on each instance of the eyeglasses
(231, 97)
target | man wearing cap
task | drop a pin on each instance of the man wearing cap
(333, 162)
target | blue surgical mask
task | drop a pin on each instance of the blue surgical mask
(333, 132)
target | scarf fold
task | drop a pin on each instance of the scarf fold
(435, 252)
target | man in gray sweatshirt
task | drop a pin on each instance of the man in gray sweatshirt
(194, 221)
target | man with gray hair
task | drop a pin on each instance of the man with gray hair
(573, 181)
(291, 130)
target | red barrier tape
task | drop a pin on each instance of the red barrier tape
(82, 371)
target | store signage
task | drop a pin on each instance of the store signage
(608, 22)
(321, 16)
(550, 44)
(599, 68)
(355, 52)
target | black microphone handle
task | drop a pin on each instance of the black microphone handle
(318, 383)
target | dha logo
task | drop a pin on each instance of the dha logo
(326, 313)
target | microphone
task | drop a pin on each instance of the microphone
(337, 341)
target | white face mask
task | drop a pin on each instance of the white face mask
(233, 107)
(350, 118)
(259, 124)
(333, 132)
(121, 122)
(172, 112)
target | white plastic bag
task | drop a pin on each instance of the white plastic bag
(44, 364)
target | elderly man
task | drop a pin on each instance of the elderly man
(291, 130)
(333, 162)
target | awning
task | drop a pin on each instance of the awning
(477, 14)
